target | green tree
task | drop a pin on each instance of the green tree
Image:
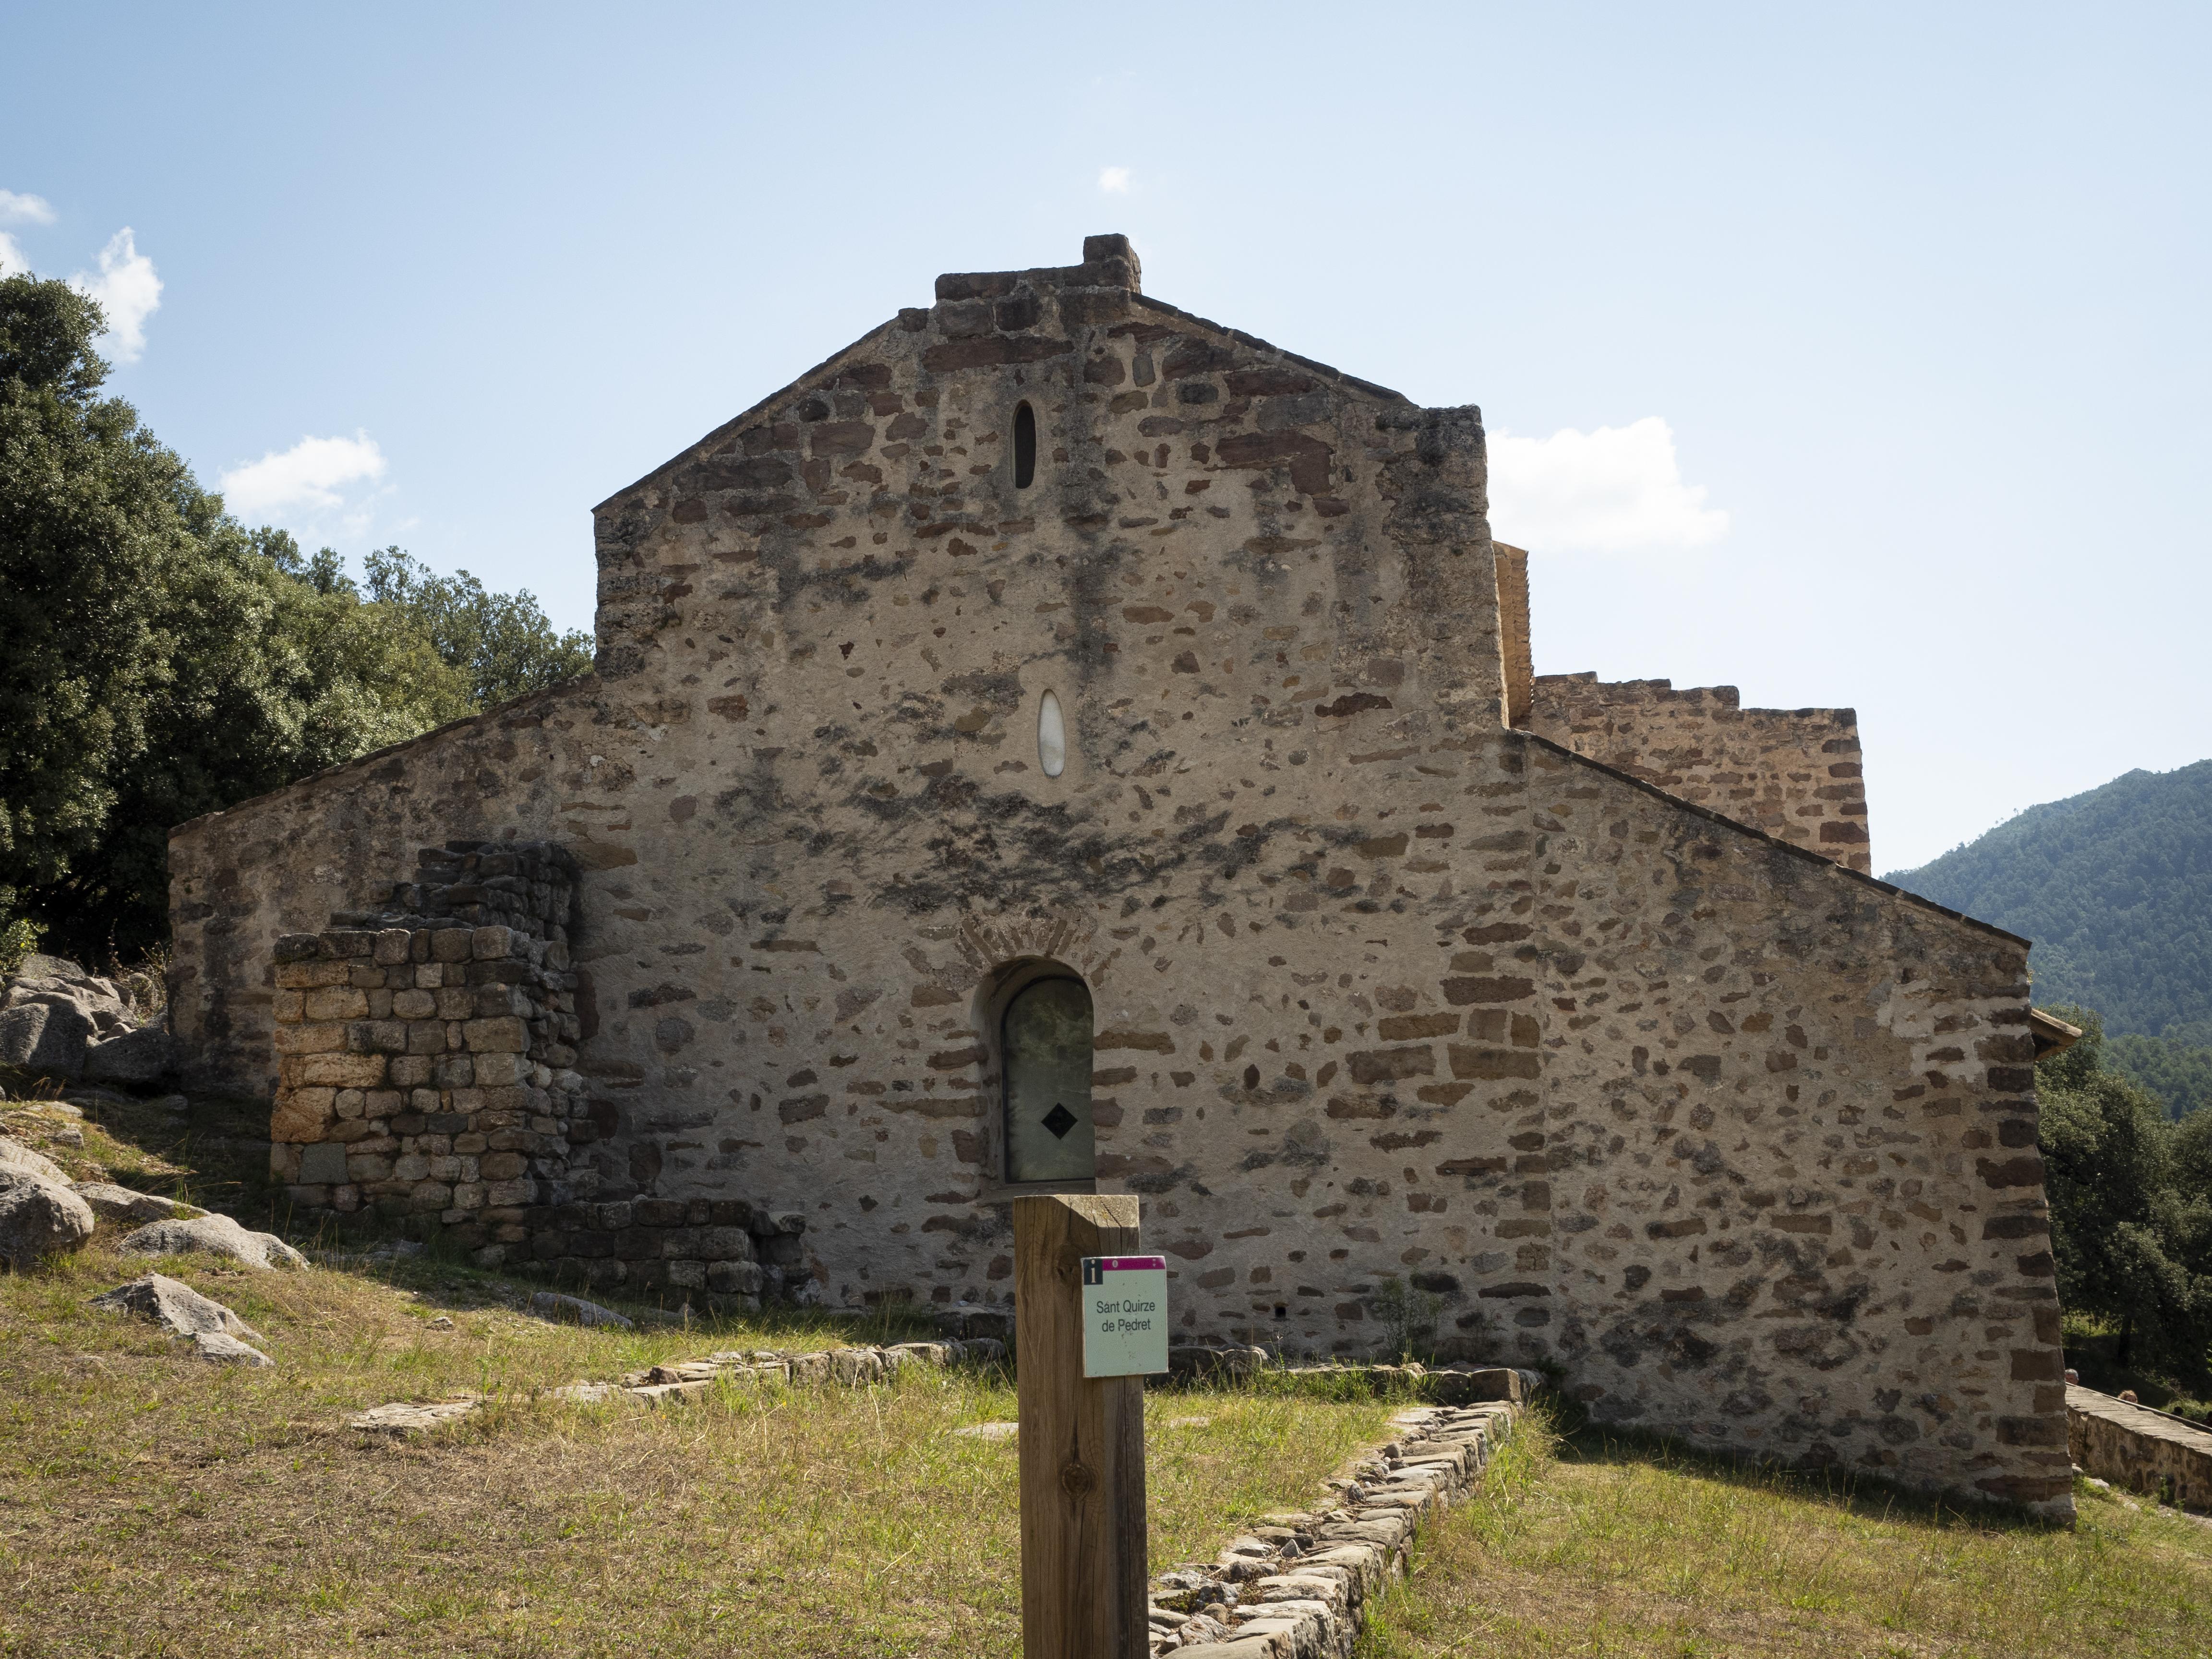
(500, 643)
(2132, 1244)
(91, 519)
(158, 660)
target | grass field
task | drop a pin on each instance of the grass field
(153, 1503)
(1585, 1545)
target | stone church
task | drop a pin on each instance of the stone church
(1061, 741)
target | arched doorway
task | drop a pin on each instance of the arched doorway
(1045, 1042)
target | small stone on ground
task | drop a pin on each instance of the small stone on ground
(551, 1305)
(176, 1308)
(401, 1419)
(229, 1350)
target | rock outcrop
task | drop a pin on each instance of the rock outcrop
(217, 1235)
(15, 1155)
(39, 1218)
(122, 1205)
(60, 1021)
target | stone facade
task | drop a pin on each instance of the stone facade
(1393, 993)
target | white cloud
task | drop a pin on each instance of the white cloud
(1114, 181)
(23, 210)
(128, 291)
(303, 480)
(1617, 489)
(16, 209)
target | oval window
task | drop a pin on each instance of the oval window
(1052, 737)
(1025, 446)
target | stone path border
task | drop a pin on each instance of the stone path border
(1299, 1586)
(674, 1385)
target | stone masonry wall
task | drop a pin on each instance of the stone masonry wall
(1379, 982)
(1794, 1196)
(1796, 773)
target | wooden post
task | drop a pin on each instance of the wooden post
(1082, 1441)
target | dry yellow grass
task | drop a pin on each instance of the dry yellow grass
(152, 1504)
(1590, 1548)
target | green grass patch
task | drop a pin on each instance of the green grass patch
(153, 1503)
(1584, 1544)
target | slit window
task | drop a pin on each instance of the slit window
(1046, 1038)
(1025, 446)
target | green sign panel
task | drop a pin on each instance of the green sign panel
(1125, 1315)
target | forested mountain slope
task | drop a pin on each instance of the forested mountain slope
(2115, 888)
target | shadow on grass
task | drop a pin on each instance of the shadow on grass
(1863, 1493)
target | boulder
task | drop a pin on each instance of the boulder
(141, 1056)
(49, 1038)
(39, 1218)
(218, 1235)
(37, 965)
(229, 1350)
(15, 1155)
(122, 1205)
(176, 1308)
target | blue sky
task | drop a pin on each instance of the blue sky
(1850, 355)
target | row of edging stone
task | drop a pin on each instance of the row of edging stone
(1299, 1586)
(686, 1380)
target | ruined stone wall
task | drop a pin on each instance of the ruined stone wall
(1324, 901)
(1794, 773)
(425, 1069)
(287, 862)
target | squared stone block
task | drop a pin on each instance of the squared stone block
(302, 1114)
(495, 1069)
(338, 1071)
(739, 1278)
(323, 1162)
(310, 975)
(391, 944)
(336, 1002)
(489, 943)
(308, 1039)
(377, 1036)
(453, 945)
(414, 1004)
(485, 1037)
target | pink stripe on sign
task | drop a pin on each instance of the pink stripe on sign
(1114, 1264)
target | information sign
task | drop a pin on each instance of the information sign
(1125, 1315)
